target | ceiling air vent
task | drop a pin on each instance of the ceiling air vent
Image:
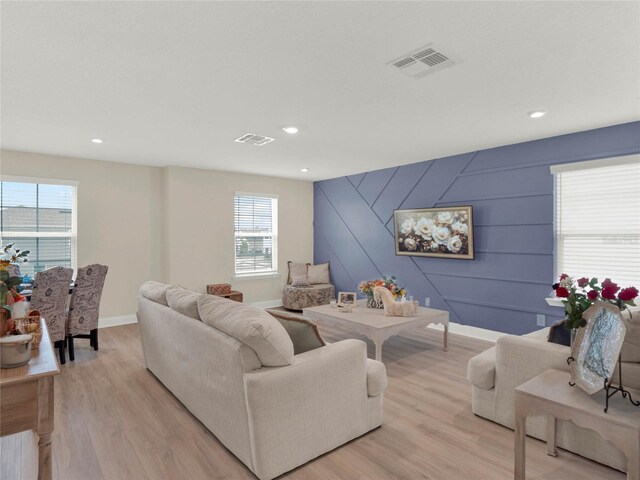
(423, 61)
(252, 139)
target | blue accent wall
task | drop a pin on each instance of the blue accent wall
(511, 190)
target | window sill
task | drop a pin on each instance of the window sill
(554, 302)
(256, 276)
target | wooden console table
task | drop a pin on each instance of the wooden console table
(550, 394)
(26, 399)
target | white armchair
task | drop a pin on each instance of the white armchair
(496, 372)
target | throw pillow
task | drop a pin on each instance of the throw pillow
(252, 326)
(319, 273)
(184, 301)
(300, 281)
(154, 291)
(295, 270)
(303, 333)
(559, 334)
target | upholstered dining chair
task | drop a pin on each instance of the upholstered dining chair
(49, 297)
(84, 308)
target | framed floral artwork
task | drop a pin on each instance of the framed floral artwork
(445, 232)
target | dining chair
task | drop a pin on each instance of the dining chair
(49, 297)
(84, 308)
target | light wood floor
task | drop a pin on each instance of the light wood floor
(114, 420)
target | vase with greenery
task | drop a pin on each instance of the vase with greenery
(9, 258)
(366, 287)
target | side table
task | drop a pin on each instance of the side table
(232, 295)
(550, 394)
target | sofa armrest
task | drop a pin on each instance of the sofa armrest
(519, 359)
(522, 358)
(481, 369)
(303, 410)
(376, 377)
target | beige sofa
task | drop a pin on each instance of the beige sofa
(272, 418)
(496, 372)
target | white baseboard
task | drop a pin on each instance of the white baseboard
(268, 303)
(469, 331)
(115, 321)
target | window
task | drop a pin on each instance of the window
(256, 234)
(597, 224)
(40, 217)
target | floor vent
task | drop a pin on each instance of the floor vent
(253, 139)
(423, 61)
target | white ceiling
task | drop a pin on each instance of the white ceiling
(174, 83)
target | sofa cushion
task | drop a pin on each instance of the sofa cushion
(300, 281)
(154, 291)
(184, 301)
(631, 346)
(295, 270)
(376, 377)
(318, 273)
(560, 334)
(303, 332)
(481, 370)
(252, 326)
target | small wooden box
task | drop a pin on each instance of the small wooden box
(219, 289)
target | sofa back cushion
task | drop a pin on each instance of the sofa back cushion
(155, 291)
(296, 270)
(252, 326)
(303, 332)
(631, 346)
(184, 301)
(319, 274)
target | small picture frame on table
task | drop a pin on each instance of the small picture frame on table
(347, 298)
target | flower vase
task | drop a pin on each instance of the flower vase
(373, 303)
(574, 334)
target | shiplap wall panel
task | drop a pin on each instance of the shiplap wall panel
(511, 190)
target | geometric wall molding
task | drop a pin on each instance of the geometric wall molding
(511, 190)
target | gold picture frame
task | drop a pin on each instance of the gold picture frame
(442, 232)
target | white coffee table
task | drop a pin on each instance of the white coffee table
(373, 324)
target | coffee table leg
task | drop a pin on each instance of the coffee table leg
(378, 351)
(445, 346)
(520, 434)
(552, 428)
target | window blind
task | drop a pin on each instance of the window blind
(40, 218)
(256, 239)
(597, 223)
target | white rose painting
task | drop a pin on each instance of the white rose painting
(445, 232)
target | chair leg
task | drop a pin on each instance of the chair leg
(60, 345)
(94, 339)
(72, 355)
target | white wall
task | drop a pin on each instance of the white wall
(168, 224)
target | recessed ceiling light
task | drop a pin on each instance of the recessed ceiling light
(537, 114)
(290, 129)
(304, 170)
(96, 140)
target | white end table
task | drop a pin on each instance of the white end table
(373, 324)
(550, 394)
